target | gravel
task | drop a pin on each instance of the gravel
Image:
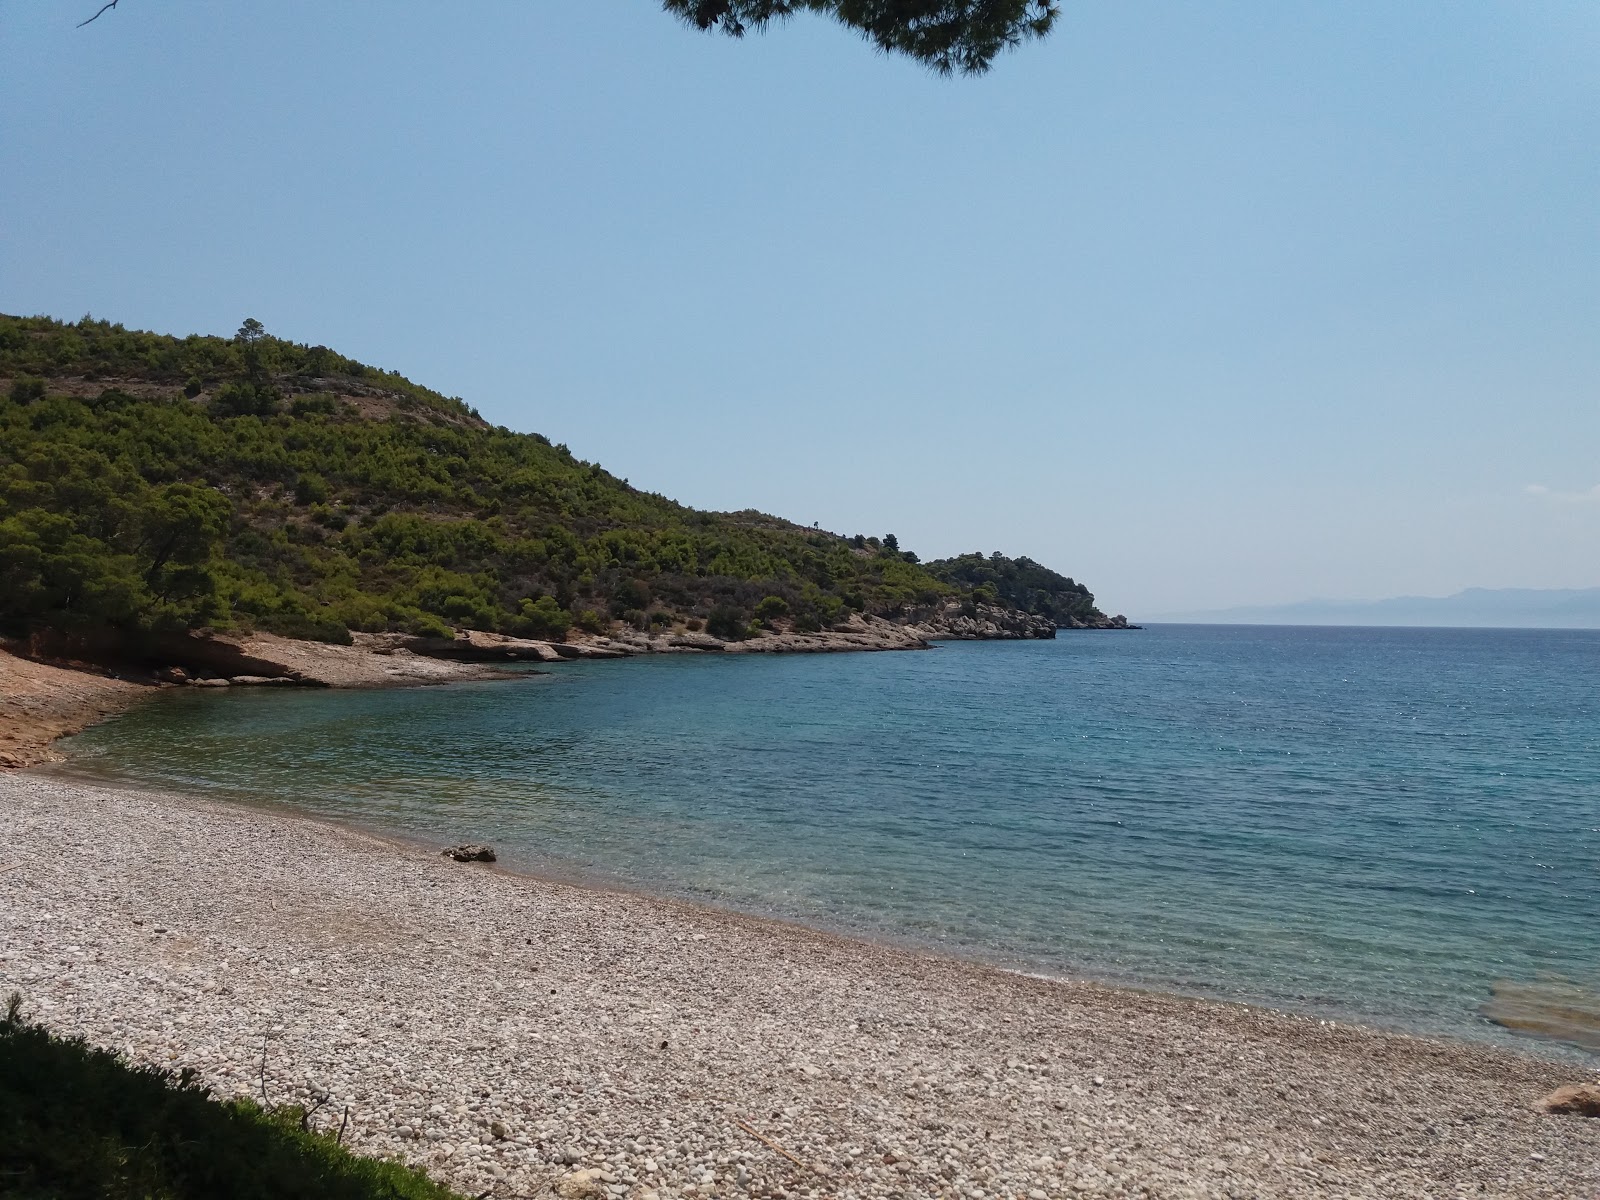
(512, 1036)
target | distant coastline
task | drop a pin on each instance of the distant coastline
(1473, 608)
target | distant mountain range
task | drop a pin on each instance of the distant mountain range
(1506, 608)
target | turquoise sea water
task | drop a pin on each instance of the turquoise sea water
(1369, 823)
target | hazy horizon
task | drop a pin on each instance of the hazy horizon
(1204, 308)
(1470, 608)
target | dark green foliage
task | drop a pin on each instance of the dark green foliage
(79, 1122)
(359, 500)
(243, 398)
(728, 623)
(25, 390)
(542, 618)
(772, 607)
(1018, 583)
(947, 35)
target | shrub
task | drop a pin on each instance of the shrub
(543, 618)
(245, 399)
(25, 389)
(589, 621)
(728, 623)
(77, 1121)
(320, 402)
(772, 607)
(329, 518)
(310, 488)
(429, 625)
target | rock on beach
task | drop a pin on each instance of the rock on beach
(514, 1036)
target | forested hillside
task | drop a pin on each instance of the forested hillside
(150, 482)
(1020, 583)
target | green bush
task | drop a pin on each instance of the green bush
(728, 623)
(25, 390)
(318, 403)
(772, 607)
(80, 1123)
(544, 619)
(243, 398)
(310, 488)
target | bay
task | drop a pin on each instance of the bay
(1387, 825)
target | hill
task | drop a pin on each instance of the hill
(152, 483)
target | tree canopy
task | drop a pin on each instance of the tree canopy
(948, 35)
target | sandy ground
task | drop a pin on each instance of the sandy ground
(39, 704)
(508, 1033)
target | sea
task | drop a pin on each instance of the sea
(1398, 827)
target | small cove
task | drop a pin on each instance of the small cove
(1383, 825)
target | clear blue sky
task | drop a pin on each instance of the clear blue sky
(1201, 303)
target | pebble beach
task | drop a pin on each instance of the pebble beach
(519, 1037)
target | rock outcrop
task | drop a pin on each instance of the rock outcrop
(469, 852)
(982, 622)
(1576, 1099)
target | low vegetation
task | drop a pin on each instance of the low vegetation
(154, 483)
(77, 1121)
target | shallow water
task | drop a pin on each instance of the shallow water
(1376, 824)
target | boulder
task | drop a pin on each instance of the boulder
(1576, 1099)
(469, 852)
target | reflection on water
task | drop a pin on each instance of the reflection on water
(1376, 824)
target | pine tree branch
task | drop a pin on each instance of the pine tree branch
(103, 10)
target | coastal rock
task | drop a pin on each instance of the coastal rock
(1576, 1099)
(954, 621)
(581, 1185)
(470, 852)
(472, 645)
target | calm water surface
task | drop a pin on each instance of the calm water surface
(1368, 823)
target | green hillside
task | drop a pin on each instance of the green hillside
(150, 482)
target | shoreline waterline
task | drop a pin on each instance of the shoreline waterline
(439, 999)
(553, 872)
(1378, 827)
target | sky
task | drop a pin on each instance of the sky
(1204, 305)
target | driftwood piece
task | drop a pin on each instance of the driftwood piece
(770, 1144)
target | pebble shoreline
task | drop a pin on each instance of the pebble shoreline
(514, 1036)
